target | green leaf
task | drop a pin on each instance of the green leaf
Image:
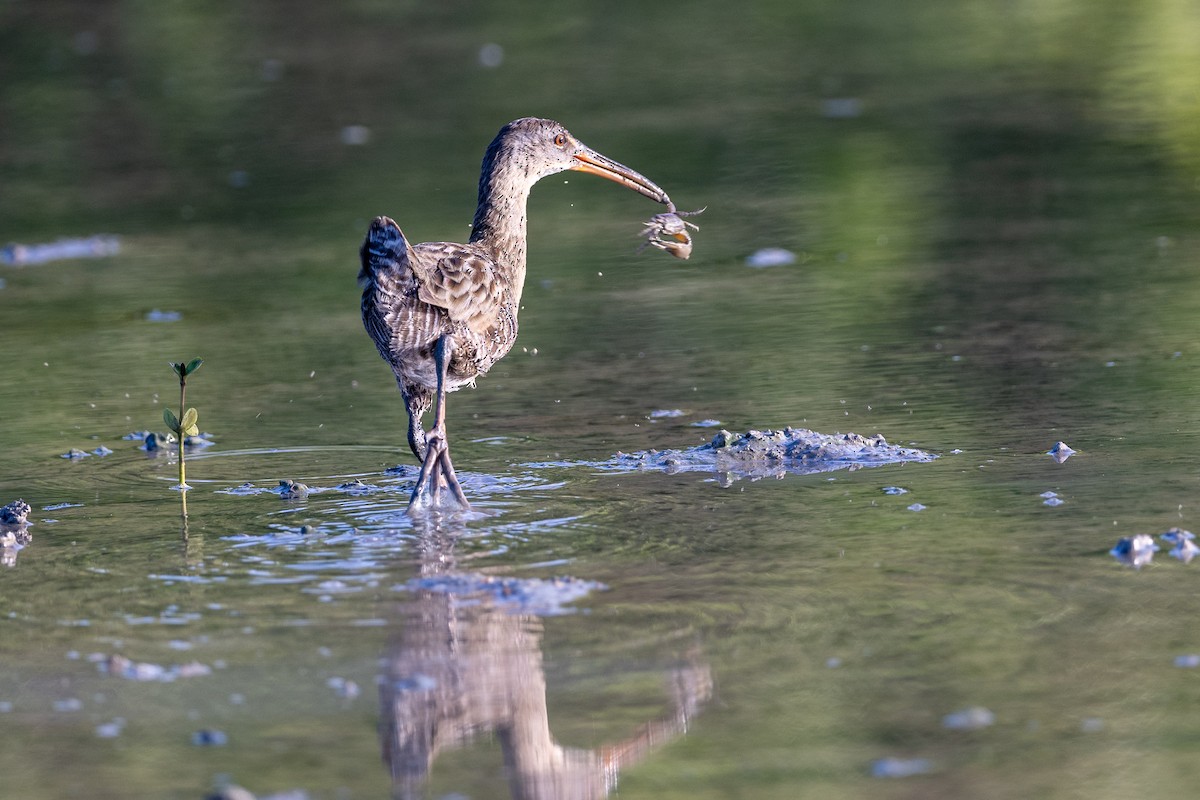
(193, 365)
(169, 418)
(177, 367)
(192, 431)
(190, 418)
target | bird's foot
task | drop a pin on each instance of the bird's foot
(437, 485)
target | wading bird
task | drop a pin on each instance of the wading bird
(442, 313)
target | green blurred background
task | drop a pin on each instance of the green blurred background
(993, 212)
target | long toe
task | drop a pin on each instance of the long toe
(452, 484)
(437, 485)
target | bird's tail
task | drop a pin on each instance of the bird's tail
(385, 248)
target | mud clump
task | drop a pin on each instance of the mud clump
(774, 453)
(1134, 551)
(1183, 545)
(119, 666)
(155, 441)
(1061, 451)
(800, 444)
(292, 490)
(15, 513)
(14, 531)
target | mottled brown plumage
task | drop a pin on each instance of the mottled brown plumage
(442, 313)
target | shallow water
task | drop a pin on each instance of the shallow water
(992, 216)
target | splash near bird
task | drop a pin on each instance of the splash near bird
(442, 313)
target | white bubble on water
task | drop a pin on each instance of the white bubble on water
(491, 55)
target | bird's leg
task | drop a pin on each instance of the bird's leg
(416, 434)
(437, 473)
(417, 400)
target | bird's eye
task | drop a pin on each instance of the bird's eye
(560, 140)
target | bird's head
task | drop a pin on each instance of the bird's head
(540, 147)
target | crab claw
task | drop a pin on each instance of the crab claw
(681, 249)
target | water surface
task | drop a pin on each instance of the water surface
(992, 212)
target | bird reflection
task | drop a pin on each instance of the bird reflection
(463, 667)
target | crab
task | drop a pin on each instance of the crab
(669, 231)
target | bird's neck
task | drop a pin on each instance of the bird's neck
(499, 224)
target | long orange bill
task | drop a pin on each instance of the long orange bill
(595, 163)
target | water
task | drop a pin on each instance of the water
(992, 215)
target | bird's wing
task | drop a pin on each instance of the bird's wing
(459, 278)
(385, 250)
(388, 285)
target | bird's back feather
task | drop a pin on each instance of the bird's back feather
(414, 294)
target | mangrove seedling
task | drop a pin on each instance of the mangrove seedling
(185, 424)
